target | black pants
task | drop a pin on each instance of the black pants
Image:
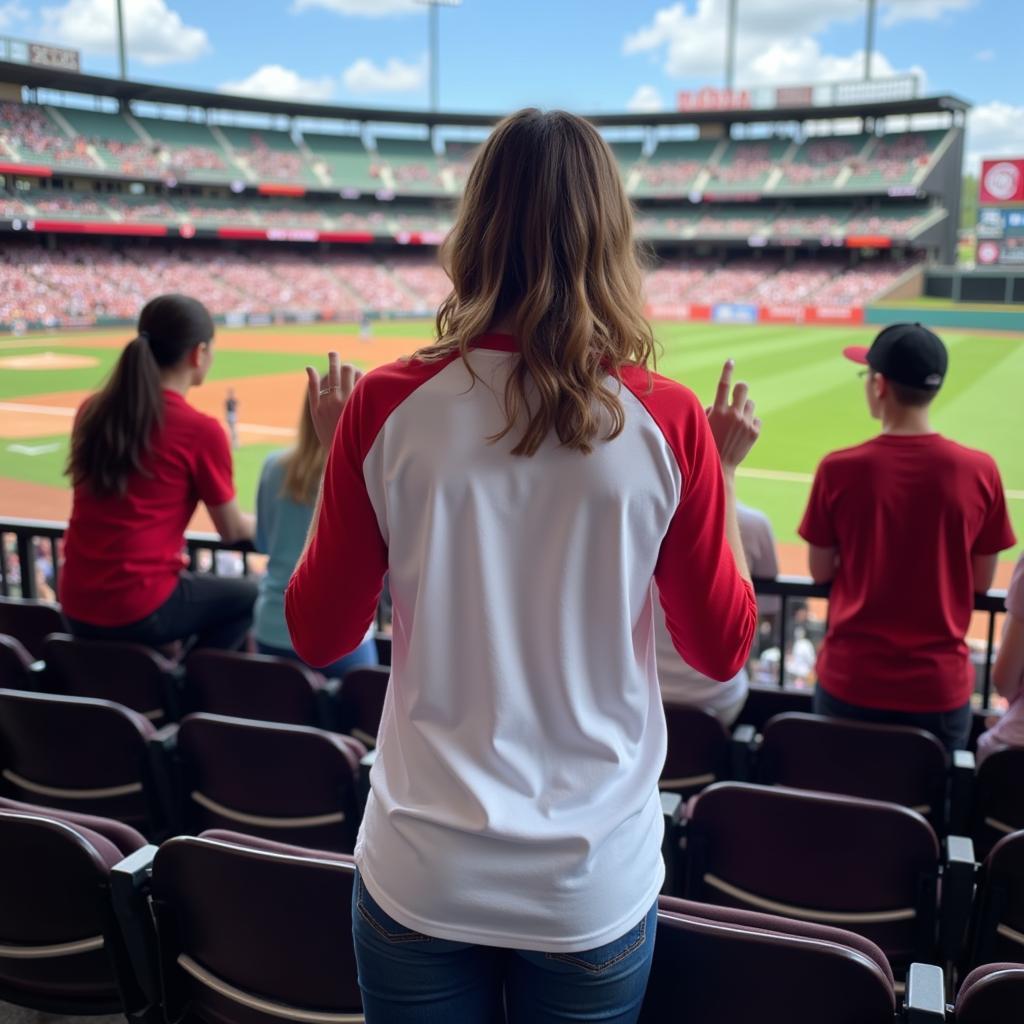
(216, 610)
(953, 728)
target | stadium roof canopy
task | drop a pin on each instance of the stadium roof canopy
(128, 91)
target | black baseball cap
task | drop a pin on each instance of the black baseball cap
(908, 354)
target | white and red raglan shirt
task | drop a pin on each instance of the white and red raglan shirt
(514, 800)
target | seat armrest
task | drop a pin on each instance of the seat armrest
(958, 873)
(961, 791)
(673, 807)
(366, 762)
(129, 893)
(162, 746)
(744, 752)
(925, 998)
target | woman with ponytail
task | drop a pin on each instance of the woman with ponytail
(523, 481)
(141, 459)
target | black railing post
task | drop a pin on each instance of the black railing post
(27, 562)
(782, 642)
(986, 687)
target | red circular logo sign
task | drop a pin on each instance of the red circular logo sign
(988, 252)
(1002, 181)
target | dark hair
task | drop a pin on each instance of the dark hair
(115, 426)
(916, 398)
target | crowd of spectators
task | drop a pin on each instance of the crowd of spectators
(820, 160)
(32, 134)
(751, 162)
(271, 164)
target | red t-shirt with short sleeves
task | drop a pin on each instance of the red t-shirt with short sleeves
(906, 514)
(123, 555)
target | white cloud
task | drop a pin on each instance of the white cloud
(394, 76)
(12, 11)
(985, 55)
(646, 100)
(155, 34)
(280, 83)
(994, 129)
(895, 11)
(361, 8)
(775, 42)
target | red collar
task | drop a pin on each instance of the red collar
(496, 342)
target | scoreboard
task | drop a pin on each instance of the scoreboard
(1000, 228)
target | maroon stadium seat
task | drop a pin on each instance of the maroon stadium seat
(361, 702)
(698, 750)
(128, 674)
(997, 931)
(998, 798)
(78, 754)
(30, 621)
(715, 964)
(865, 865)
(254, 932)
(284, 782)
(59, 949)
(257, 686)
(15, 664)
(993, 994)
(878, 762)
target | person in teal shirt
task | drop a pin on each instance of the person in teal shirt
(285, 502)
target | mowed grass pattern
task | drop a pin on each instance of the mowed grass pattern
(809, 397)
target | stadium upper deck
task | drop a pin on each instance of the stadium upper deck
(133, 163)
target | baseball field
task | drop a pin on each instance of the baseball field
(809, 397)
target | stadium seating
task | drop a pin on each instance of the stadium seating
(819, 161)
(30, 622)
(257, 686)
(993, 994)
(283, 782)
(31, 136)
(251, 931)
(894, 160)
(346, 160)
(906, 766)
(410, 164)
(361, 702)
(866, 865)
(61, 951)
(127, 674)
(713, 965)
(997, 928)
(746, 165)
(269, 156)
(120, 148)
(191, 151)
(699, 750)
(674, 168)
(79, 754)
(15, 664)
(998, 798)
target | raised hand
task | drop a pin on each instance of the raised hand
(733, 423)
(328, 395)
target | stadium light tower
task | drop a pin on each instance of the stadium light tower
(435, 70)
(730, 45)
(869, 42)
(121, 55)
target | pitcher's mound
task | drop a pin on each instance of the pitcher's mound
(48, 361)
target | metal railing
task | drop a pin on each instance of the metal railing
(20, 538)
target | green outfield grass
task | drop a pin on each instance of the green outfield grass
(808, 396)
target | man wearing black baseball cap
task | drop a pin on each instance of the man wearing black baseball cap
(906, 526)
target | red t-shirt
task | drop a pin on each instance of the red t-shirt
(906, 514)
(123, 554)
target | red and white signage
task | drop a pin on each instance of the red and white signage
(710, 98)
(1002, 181)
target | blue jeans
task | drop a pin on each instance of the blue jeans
(410, 978)
(953, 728)
(363, 656)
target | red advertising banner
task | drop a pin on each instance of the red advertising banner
(1002, 181)
(834, 315)
(868, 242)
(781, 314)
(677, 311)
(89, 227)
(29, 170)
(710, 98)
(271, 189)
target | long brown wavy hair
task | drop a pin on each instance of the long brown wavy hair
(304, 464)
(543, 238)
(114, 428)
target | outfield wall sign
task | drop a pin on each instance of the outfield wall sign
(1002, 181)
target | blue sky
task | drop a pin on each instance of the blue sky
(589, 55)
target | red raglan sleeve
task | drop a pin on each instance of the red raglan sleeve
(710, 609)
(333, 594)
